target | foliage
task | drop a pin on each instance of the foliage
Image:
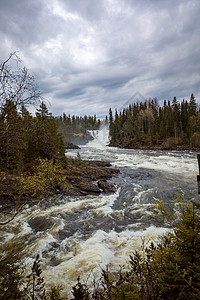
(24, 139)
(35, 283)
(80, 291)
(11, 270)
(168, 269)
(15, 284)
(146, 124)
(48, 179)
(35, 287)
(54, 293)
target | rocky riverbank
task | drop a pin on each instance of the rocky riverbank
(90, 177)
(83, 178)
(149, 146)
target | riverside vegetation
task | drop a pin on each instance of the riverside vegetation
(146, 125)
(33, 165)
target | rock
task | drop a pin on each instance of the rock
(82, 177)
(40, 223)
(89, 177)
(100, 163)
(90, 188)
(81, 138)
(106, 187)
(71, 146)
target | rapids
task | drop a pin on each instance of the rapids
(79, 236)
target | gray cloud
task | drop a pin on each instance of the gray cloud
(90, 55)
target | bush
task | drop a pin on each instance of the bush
(195, 141)
(11, 270)
(48, 179)
(170, 269)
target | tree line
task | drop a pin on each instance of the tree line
(175, 124)
(68, 125)
(25, 138)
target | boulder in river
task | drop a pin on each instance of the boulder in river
(106, 187)
(71, 146)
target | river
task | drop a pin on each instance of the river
(79, 236)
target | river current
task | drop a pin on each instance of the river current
(79, 236)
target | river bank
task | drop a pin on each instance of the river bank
(84, 177)
(150, 146)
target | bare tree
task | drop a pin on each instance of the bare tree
(16, 84)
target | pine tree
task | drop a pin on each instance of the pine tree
(49, 142)
(192, 106)
(176, 117)
(12, 144)
(111, 125)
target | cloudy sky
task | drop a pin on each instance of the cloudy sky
(89, 55)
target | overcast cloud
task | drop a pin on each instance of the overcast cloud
(89, 55)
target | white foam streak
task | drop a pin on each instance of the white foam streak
(101, 250)
(41, 244)
(176, 165)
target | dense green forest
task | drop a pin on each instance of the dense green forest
(24, 138)
(147, 125)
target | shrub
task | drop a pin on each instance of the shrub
(48, 179)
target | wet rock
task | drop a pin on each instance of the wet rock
(71, 146)
(81, 138)
(40, 224)
(99, 163)
(89, 188)
(82, 178)
(106, 187)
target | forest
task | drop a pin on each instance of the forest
(175, 125)
(32, 148)
(26, 138)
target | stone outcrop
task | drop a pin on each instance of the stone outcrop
(71, 146)
(90, 177)
(84, 177)
(81, 138)
(106, 187)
